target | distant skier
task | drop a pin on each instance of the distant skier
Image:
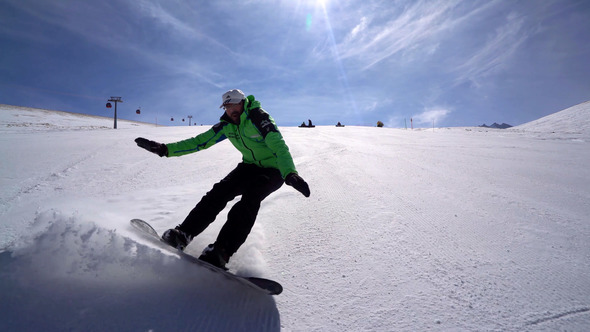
(266, 165)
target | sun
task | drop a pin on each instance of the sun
(316, 3)
(322, 3)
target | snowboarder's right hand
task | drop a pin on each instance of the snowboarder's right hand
(154, 147)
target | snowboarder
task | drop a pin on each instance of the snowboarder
(266, 165)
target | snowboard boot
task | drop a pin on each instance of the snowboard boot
(215, 256)
(177, 238)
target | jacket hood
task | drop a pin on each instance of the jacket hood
(249, 104)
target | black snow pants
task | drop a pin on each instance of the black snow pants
(254, 184)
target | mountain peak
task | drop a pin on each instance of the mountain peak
(497, 126)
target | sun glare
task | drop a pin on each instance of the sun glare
(316, 3)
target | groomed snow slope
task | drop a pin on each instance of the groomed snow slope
(571, 122)
(460, 229)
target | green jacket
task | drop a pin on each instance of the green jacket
(256, 137)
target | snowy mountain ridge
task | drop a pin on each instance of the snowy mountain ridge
(496, 126)
(14, 117)
(575, 119)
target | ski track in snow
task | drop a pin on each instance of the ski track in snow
(457, 229)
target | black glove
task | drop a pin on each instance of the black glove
(154, 147)
(298, 183)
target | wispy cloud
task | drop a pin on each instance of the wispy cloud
(178, 20)
(495, 53)
(372, 41)
(137, 29)
(433, 115)
(93, 21)
(165, 18)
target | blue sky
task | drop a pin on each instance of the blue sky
(457, 63)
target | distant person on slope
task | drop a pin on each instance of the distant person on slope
(266, 165)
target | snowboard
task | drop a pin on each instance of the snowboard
(268, 286)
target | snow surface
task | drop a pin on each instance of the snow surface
(573, 122)
(451, 229)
